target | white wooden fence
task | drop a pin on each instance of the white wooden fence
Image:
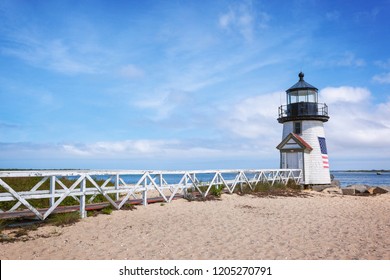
(129, 184)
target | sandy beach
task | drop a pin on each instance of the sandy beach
(322, 226)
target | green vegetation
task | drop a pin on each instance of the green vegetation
(261, 189)
(106, 210)
(265, 189)
(3, 225)
(63, 219)
(216, 190)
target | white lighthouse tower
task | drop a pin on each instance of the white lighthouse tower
(303, 145)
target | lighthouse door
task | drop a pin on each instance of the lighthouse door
(293, 160)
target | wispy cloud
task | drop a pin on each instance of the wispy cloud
(131, 71)
(367, 15)
(385, 64)
(383, 78)
(9, 125)
(333, 15)
(164, 104)
(345, 59)
(244, 19)
(49, 54)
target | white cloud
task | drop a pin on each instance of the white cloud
(74, 150)
(118, 148)
(347, 94)
(254, 117)
(357, 127)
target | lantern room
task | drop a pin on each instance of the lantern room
(302, 103)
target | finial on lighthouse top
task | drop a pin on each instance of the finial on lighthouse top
(301, 84)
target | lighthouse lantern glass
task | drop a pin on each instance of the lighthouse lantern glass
(302, 96)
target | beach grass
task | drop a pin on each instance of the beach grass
(265, 189)
(62, 219)
(107, 210)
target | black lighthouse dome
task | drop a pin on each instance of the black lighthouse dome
(302, 103)
(301, 85)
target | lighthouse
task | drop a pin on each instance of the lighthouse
(303, 143)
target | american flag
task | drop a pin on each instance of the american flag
(324, 152)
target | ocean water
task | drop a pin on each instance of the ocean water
(366, 178)
(345, 178)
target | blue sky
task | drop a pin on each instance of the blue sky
(188, 84)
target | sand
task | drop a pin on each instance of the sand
(323, 226)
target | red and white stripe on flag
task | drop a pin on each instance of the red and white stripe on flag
(325, 161)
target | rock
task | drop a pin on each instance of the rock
(5, 237)
(319, 188)
(358, 188)
(333, 190)
(346, 191)
(377, 190)
(335, 183)
(387, 188)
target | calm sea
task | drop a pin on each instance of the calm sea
(366, 178)
(345, 178)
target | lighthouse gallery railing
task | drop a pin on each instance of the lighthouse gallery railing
(303, 109)
(118, 187)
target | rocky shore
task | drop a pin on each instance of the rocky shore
(357, 189)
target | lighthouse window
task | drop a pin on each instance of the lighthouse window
(297, 127)
(311, 97)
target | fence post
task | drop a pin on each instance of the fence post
(117, 186)
(145, 193)
(52, 190)
(185, 193)
(83, 213)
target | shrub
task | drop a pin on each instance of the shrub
(292, 185)
(262, 187)
(216, 190)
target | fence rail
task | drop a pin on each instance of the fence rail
(119, 187)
